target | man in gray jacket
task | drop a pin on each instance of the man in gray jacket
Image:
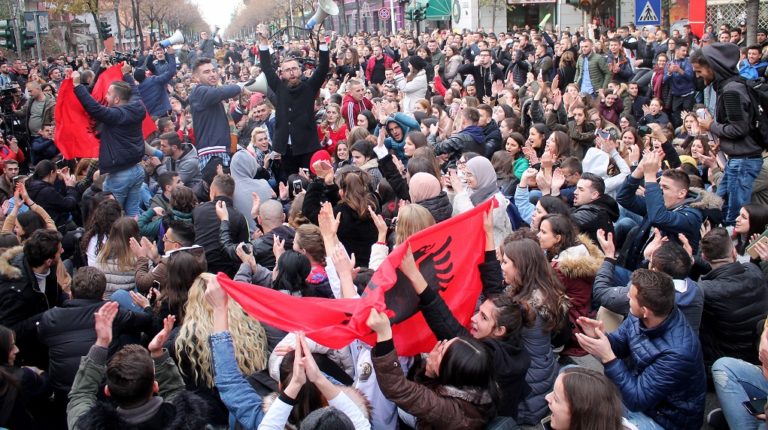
(180, 158)
(733, 125)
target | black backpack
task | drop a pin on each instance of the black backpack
(758, 97)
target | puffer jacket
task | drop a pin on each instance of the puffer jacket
(117, 279)
(577, 267)
(492, 138)
(541, 374)
(439, 407)
(735, 299)
(22, 304)
(59, 201)
(660, 371)
(439, 206)
(68, 333)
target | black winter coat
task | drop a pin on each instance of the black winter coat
(600, 214)
(735, 299)
(439, 206)
(207, 235)
(59, 201)
(356, 233)
(22, 305)
(294, 107)
(68, 332)
(186, 411)
(492, 138)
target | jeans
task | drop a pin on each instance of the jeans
(123, 298)
(737, 381)
(125, 185)
(736, 185)
(641, 420)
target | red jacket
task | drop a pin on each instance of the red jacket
(335, 137)
(388, 61)
(351, 108)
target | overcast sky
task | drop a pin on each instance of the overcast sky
(217, 12)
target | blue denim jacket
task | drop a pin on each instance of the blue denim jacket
(240, 398)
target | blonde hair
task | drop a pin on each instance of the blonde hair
(248, 336)
(339, 117)
(411, 219)
(258, 130)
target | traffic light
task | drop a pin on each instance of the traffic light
(409, 13)
(27, 39)
(7, 38)
(105, 30)
(418, 14)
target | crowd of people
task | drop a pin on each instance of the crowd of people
(624, 274)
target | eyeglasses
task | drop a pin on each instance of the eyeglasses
(291, 69)
(168, 239)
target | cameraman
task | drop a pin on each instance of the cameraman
(38, 110)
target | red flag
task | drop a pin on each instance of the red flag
(447, 255)
(75, 136)
(112, 74)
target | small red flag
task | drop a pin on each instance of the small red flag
(448, 255)
(75, 136)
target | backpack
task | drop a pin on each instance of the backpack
(758, 97)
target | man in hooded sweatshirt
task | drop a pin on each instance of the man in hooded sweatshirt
(733, 124)
(393, 131)
(243, 169)
(469, 139)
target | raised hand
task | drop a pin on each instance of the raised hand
(215, 295)
(379, 323)
(103, 323)
(139, 300)
(558, 179)
(255, 204)
(311, 370)
(278, 246)
(381, 225)
(328, 224)
(589, 326)
(605, 240)
(156, 345)
(341, 261)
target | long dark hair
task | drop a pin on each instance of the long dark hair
(100, 222)
(538, 283)
(469, 363)
(186, 267)
(7, 380)
(758, 221)
(563, 226)
(30, 222)
(292, 271)
(512, 315)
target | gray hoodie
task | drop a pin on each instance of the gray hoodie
(734, 112)
(243, 168)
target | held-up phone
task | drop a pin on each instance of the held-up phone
(18, 178)
(247, 248)
(546, 423)
(701, 113)
(61, 164)
(604, 134)
(297, 187)
(755, 406)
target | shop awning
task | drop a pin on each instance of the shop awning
(439, 10)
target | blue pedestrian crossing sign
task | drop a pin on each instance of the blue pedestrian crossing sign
(648, 12)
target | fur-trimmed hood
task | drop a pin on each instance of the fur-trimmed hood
(580, 261)
(357, 397)
(7, 267)
(186, 411)
(705, 200)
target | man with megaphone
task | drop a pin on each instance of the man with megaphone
(295, 137)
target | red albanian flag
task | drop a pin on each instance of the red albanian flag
(75, 136)
(112, 74)
(447, 254)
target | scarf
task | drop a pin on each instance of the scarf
(483, 171)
